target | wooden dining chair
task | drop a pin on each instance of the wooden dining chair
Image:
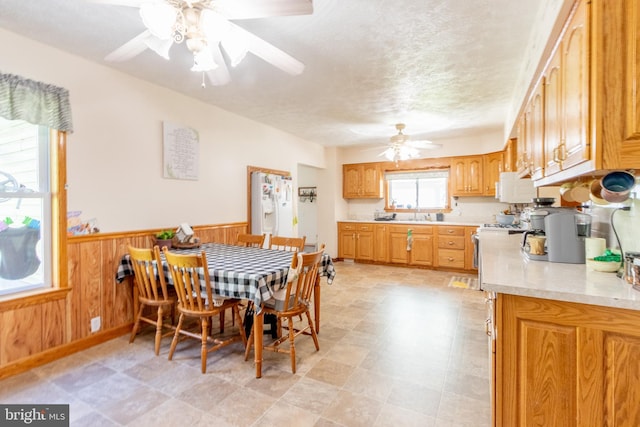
(152, 292)
(197, 300)
(292, 244)
(292, 301)
(251, 240)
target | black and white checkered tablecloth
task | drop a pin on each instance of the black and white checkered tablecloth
(240, 272)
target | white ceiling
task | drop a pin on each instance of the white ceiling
(446, 68)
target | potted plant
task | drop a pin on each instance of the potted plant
(164, 238)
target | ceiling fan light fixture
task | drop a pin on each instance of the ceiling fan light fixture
(159, 18)
(203, 61)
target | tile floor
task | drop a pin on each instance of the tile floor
(398, 347)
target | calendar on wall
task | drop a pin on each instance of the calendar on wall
(181, 154)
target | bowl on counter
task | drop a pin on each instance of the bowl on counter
(605, 266)
(505, 219)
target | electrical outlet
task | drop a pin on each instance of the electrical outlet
(95, 324)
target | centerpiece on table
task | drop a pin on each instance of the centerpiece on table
(165, 238)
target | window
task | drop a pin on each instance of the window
(424, 190)
(25, 207)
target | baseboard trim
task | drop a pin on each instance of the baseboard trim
(42, 358)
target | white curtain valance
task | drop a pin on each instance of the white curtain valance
(439, 173)
(35, 102)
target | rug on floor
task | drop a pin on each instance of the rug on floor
(464, 283)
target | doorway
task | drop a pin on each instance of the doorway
(308, 206)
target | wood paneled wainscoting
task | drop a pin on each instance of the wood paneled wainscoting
(38, 329)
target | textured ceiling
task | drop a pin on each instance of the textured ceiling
(446, 68)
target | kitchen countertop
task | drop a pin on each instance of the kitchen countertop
(504, 269)
(408, 221)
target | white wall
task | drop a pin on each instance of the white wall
(114, 156)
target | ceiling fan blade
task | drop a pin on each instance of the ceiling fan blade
(250, 9)
(132, 48)
(220, 76)
(422, 144)
(128, 3)
(270, 53)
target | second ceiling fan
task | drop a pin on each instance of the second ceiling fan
(402, 147)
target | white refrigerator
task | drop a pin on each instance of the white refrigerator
(271, 204)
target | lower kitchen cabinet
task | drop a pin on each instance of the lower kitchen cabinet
(355, 241)
(398, 244)
(422, 248)
(381, 243)
(451, 247)
(418, 252)
(431, 245)
(565, 364)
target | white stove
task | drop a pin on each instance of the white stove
(509, 228)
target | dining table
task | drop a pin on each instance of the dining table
(248, 273)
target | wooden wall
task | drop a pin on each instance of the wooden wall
(37, 330)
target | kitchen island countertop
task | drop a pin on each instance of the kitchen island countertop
(504, 269)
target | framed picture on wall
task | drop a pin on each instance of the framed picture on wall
(181, 152)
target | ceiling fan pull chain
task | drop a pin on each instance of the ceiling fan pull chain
(203, 83)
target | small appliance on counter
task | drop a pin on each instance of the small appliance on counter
(562, 230)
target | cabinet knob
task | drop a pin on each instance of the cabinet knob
(450, 259)
(450, 243)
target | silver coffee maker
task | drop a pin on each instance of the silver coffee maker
(566, 232)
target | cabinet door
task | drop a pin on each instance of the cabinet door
(493, 163)
(566, 364)
(575, 89)
(351, 186)
(421, 250)
(509, 158)
(553, 114)
(466, 179)
(522, 153)
(371, 181)
(538, 368)
(364, 243)
(381, 243)
(347, 240)
(475, 177)
(398, 247)
(458, 176)
(535, 132)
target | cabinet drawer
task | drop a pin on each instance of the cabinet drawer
(451, 231)
(421, 229)
(365, 227)
(451, 242)
(451, 258)
(346, 227)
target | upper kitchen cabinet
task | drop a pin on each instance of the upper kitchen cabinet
(567, 96)
(591, 102)
(530, 141)
(523, 148)
(466, 176)
(362, 181)
(491, 168)
(535, 131)
(616, 64)
(509, 156)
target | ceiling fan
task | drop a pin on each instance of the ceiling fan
(204, 27)
(402, 147)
